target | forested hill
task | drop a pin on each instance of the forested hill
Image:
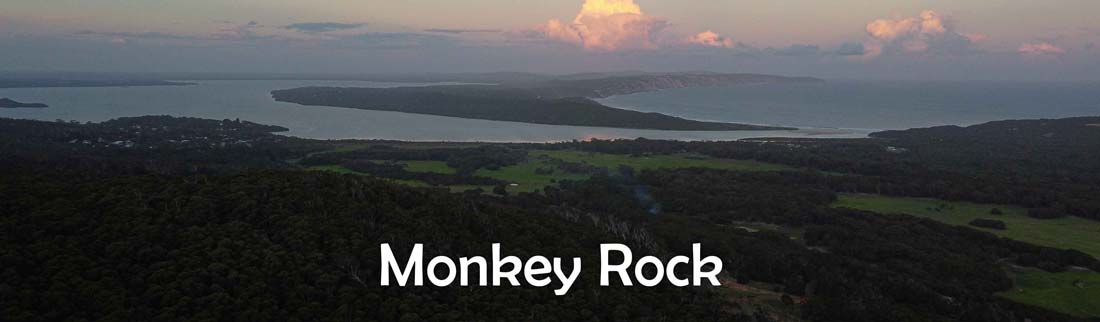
(1076, 131)
(488, 102)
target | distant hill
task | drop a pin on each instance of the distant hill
(8, 103)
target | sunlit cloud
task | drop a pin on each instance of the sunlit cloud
(711, 39)
(608, 25)
(928, 32)
(1040, 49)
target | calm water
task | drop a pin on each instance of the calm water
(251, 100)
(835, 109)
(872, 105)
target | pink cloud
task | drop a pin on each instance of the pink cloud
(1040, 49)
(711, 39)
(608, 25)
(890, 29)
(927, 32)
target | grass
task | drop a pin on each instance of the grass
(1068, 233)
(529, 180)
(612, 161)
(525, 176)
(1073, 293)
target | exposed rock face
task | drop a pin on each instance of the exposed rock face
(8, 103)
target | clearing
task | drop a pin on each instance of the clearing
(1067, 233)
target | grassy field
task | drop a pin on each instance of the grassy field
(1075, 293)
(529, 180)
(525, 176)
(1069, 232)
(612, 161)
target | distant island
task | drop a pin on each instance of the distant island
(563, 101)
(9, 103)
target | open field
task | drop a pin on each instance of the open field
(529, 180)
(1069, 232)
(526, 176)
(1074, 293)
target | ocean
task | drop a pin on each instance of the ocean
(871, 105)
(836, 109)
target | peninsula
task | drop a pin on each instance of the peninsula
(563, 101)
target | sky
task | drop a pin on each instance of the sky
(851, 39)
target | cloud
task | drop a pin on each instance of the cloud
(711, 39)
(317, 27)
(1040, 49)
(462, 31)
(608, 25)
(930, 32)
